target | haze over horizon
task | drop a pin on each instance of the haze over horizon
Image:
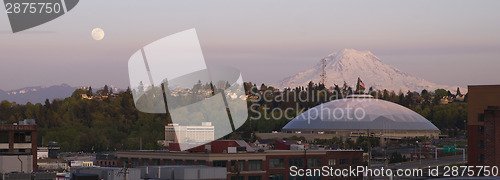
(453, 43)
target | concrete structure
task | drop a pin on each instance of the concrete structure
(183, 172)
(51, 165)
(42, 153)
(51, 151)
(20, 137)
(483, 127)
(109, 173)
(28, 176)
(219, 146)
(187, 134)
(357, 115)
(16, 162)
(245, 165)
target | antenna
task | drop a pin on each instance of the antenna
(323, 72)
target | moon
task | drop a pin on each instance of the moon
(98, 34)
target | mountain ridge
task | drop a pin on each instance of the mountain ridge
(349, 64)
(37, 94)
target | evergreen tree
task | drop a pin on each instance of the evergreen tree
(458, 92)
(105, 90)
(89, 93)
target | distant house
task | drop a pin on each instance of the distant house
(84, 96)
(446, 100)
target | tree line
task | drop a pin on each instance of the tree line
(113, 123)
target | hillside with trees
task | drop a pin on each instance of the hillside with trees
(111, 122)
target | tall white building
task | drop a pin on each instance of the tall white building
(189, 134)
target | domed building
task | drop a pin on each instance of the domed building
(360, 115)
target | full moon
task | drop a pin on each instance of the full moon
(97, 34)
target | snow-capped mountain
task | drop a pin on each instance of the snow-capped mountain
(349, 64)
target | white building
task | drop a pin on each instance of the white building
(189, 134)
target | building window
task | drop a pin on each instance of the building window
(480, 117)
(125, 162)
(220, 163)
(296, 162)
(156, 162)
(237, 177)
(241, 166)
(355, 161)
(202, 162)
(315, 177)
(254, 177)
(145, 162)
(480, 130)
(343, 161)
(290, 177)
(332, 162)
(167, 162)
(189, 162)
(480, 158)
(276, 177)
(22, 137)
(4, 137)
(481, 144)
(254, 165)
(135, 162)
(314, 162)
(237, 166)
(178, 162)
(276, 163)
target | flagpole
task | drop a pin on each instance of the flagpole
(358, 86)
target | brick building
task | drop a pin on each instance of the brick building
(483, 125)
(20, 138)
(106, 159)
(245, 165)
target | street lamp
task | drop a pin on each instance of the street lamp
(419, 154)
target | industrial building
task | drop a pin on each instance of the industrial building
(354, 116)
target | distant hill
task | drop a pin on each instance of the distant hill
(37, 94)
(349, 64)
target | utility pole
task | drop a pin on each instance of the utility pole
(323, 72)
(305, 161)
(124, 171)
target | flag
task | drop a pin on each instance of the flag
(361, 83)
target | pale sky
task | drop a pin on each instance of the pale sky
(447, 42)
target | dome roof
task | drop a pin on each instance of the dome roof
(359, 112)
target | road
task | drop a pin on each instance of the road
(429, 162)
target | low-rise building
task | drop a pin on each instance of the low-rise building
(483, 125)
(193, 172)
(175, 133)
(109, 173)
(20, 138)
(16, 162)
(271, 164)
(106, 159)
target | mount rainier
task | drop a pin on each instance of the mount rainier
(349, 64)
